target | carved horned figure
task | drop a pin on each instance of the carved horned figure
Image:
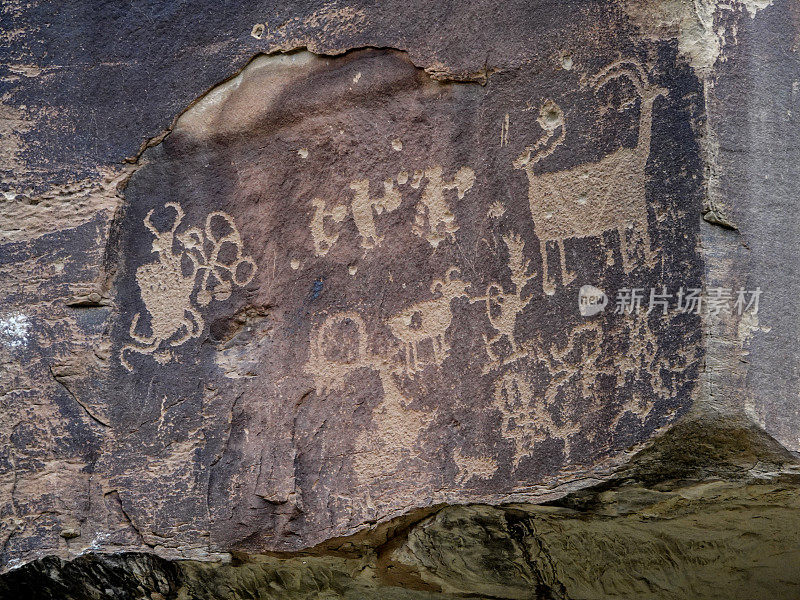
(594, 198)
(166, 292)
(167, 284)
(502, 306)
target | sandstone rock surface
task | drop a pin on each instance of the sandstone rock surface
(339, 299)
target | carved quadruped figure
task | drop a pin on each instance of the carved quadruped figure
(525, 418)
(594, 198)
(167, 287)
(429, 320)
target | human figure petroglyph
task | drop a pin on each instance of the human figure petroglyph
(167, 289)
(527, 416)
(502, 307)
(330, 371)
(364, 207)
(324, 241)
(429, 320)
(433, 218)
(525, 419)
(594, 198)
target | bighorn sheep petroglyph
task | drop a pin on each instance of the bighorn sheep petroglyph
(594, 198)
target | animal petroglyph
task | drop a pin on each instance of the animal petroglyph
(533, 412)
(528, 417)
(433, 218)
(594, 198)
(209, 260)
(339, 347)
(429, 320)
(525, 419)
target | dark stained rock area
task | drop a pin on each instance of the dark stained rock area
(334, 300)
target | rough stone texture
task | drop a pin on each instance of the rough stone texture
(305, 278)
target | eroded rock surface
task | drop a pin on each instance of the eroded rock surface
(361, 300)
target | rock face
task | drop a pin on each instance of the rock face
(428, 303)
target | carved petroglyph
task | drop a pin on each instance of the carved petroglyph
(525, 418)
(530, 414)
(428, 320)
(363, 207)
(209, 260)
(219, 275)
(594, 198)
(502, 307)
(339, 347)
(433, 219)
(504, 131)
(529, 418)
(395, 432)
(554, 391)
(469, 467)
(323, 241)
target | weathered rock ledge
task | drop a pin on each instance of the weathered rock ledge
(704, 512)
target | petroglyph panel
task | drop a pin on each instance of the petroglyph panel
(193, 267)
(361, 300)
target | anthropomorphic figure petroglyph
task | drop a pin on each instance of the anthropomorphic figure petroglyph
(166, 293)
(434, 220)
(364, 207)
(502, 307)
(525, 418)
(323, 241)
(593, 198)
(429, 320)
(339, 347)
(167, 287)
